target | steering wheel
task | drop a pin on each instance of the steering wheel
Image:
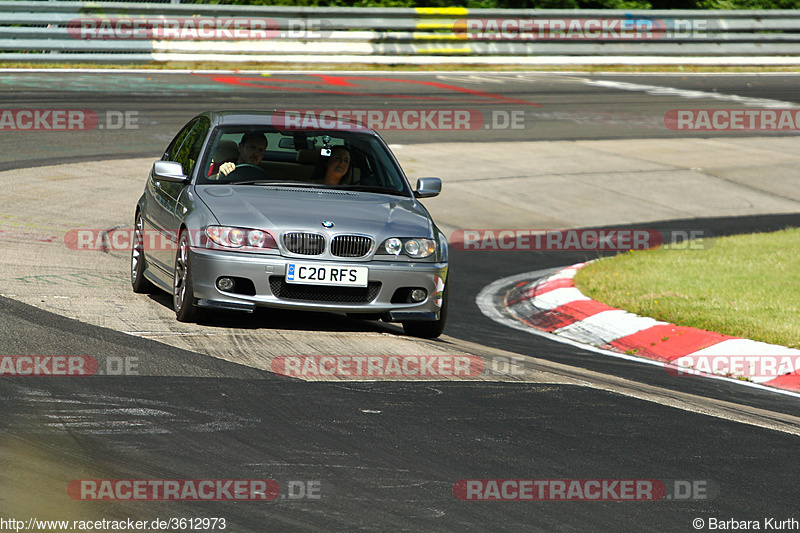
(246, 171)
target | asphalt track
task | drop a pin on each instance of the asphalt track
(386, 454)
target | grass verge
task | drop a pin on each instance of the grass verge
(746, 285)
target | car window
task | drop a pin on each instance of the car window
(189, 152)
(300, 156)
(172, 150)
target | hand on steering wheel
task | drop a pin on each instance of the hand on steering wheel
(245, 171)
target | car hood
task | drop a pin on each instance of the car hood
(280, 209)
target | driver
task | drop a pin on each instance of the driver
(251, 152)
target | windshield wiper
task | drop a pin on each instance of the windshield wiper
(373, 188)
(360, 188)
(278, 183)
(252, 182)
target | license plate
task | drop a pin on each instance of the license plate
(317, 274)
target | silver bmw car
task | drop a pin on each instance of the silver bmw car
(249, 209)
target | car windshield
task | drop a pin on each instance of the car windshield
(341, 159)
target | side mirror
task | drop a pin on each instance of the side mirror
(169, 171)
(428, 187)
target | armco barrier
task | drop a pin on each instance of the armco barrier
(53, 31)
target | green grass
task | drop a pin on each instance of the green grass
(746, 285)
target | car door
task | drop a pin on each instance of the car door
(165, 216)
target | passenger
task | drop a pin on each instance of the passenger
(332, 169)
(251, 152)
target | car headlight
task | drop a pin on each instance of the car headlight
(393, 246)
(240, 237)
(415, 248)
(256, 238)
(236, 237)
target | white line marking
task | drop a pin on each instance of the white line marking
(656, 90)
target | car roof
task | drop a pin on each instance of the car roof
(279, 119)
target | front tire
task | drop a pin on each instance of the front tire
(140, 284)
(429, 329)
(182, 289)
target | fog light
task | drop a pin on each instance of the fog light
(417, 295)
(225, 284)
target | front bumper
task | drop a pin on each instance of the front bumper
(267, 273)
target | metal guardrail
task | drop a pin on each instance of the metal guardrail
(52, 31)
